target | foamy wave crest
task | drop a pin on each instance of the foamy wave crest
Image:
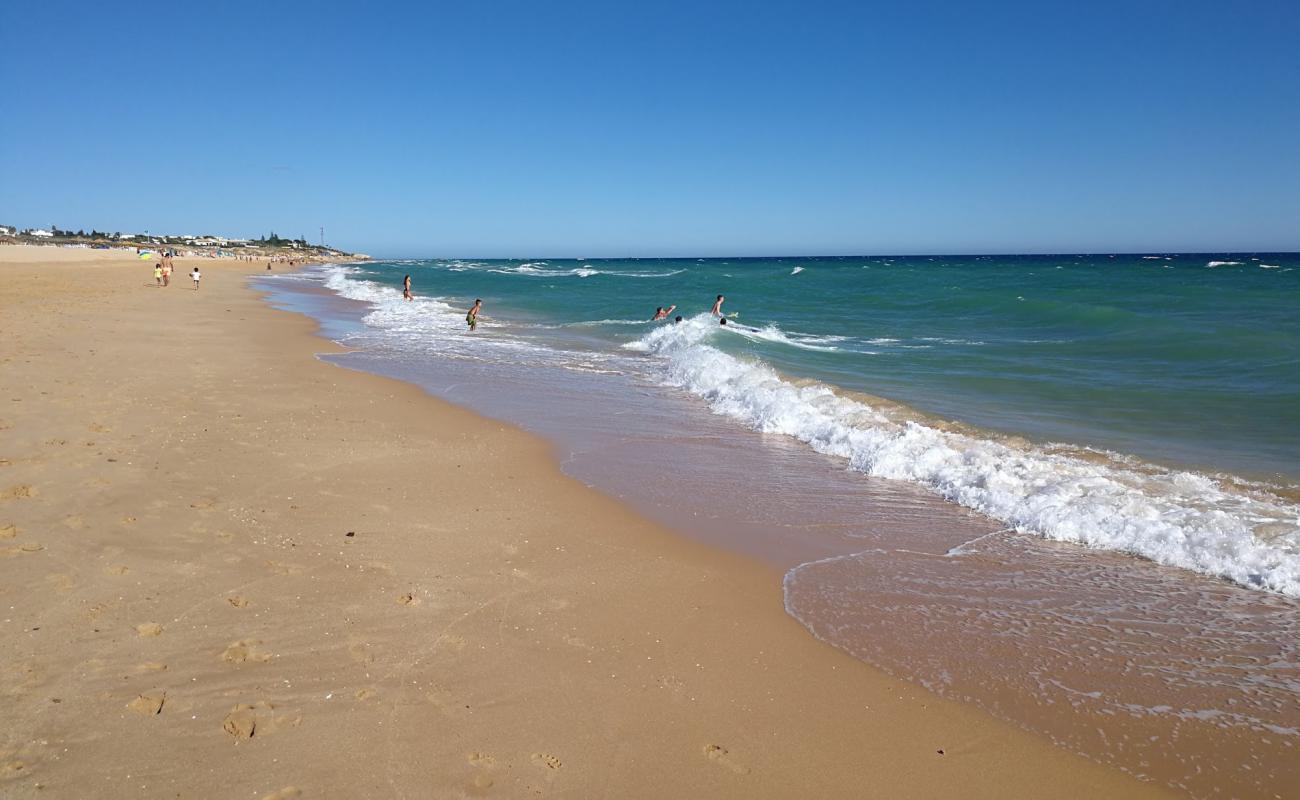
(429, 325)
(541, 270)
(1222, 263)
(390, 311)
(771, 333)
(1181, 519)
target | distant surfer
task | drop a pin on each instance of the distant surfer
(662, 313)
(717, 306)
(406, 288)
(472, 317)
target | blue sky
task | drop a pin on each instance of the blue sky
(596, 129)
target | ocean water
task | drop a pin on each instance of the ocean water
(1149, 404)
(1085, 465)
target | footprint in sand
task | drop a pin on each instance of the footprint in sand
(546, 761)
(247, 720)
(61, 582)
(11, 769)
(148, 629)
(203, 503)
(478, 784)
(408, 599)
(722, 757)
(287, 793)
(280, 568)
(480, 760)
(360, 652)
(116, 569)
(21, 492)
(27, 548)
(151, 666)
(149, 703)
(237, 601)
(444, 701)
(365, 694)
(244, 651)
(453, 642)
(9, 531)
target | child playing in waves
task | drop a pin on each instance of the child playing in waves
(662, 313)
(717, 306)
(406, 287)
(472, 317)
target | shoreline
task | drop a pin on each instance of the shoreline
(887, 572)
(492, 626)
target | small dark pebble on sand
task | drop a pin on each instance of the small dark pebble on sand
(350, 533)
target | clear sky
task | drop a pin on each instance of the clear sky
(660, 128)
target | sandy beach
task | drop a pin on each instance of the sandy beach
(228, 569)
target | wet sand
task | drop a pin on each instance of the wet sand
(230, 569)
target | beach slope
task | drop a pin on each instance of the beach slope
(228, 569)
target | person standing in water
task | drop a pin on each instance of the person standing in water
(406, 287)
(717, 306)
(472, 317)
(662, 313)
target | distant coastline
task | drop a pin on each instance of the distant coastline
(207, 246)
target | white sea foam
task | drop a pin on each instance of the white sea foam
(591, 323)
(1270, 266)
(1222, 263)
(796, 270)
(771, 333)
(1176, 518)
(429, 324)
(540, 269)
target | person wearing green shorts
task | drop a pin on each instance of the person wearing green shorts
(472, 317)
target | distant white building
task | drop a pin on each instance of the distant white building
(41, 233)
(5, 230)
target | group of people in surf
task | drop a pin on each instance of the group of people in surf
(471, 318)
(661, 313)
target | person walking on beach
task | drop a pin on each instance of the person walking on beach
(195, 275)
(472, 317)
(662, 313)
(406, 288)
(157, 274)
(717, 306)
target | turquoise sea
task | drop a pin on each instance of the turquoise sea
(1185, 359)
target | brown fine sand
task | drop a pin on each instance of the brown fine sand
(228, 569)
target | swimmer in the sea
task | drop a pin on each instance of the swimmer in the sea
(662, 313)
(717, 306)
